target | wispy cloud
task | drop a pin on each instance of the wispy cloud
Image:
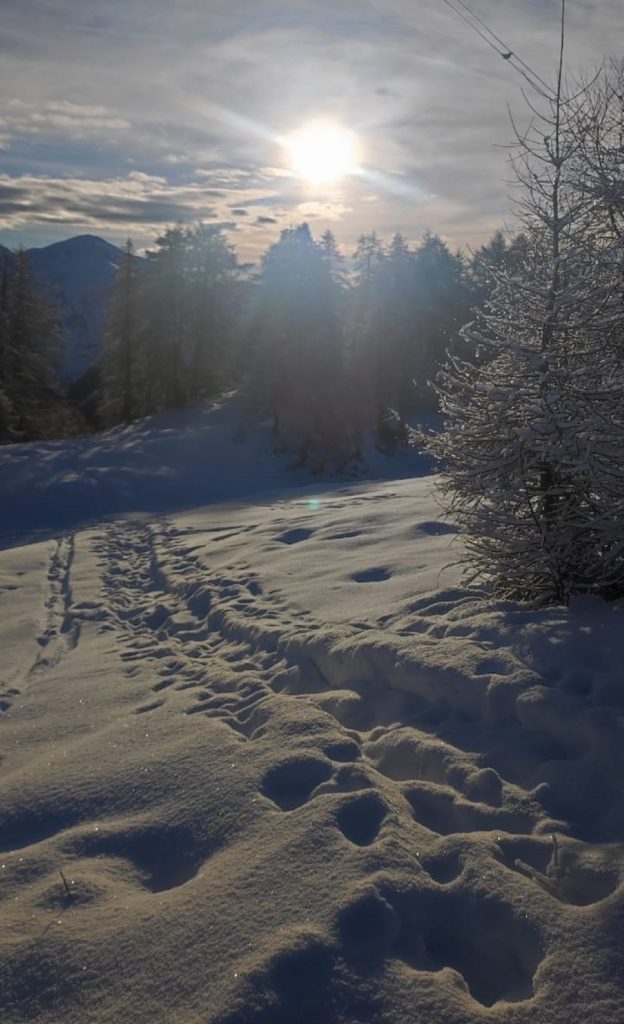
(57, 117)
(137, 200)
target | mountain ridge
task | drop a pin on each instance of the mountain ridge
(76, 275)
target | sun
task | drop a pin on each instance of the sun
(322, 152)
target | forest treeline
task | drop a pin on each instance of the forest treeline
(328, 346)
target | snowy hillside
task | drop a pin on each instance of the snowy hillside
(172, 461)
(290, 768)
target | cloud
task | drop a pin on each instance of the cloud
(19, 119)
(195, 97)
(136, 201)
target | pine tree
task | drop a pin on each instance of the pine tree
(333, 258)
(165, 297)
(5, 402)
(213, 293)
(30, 356)
(394, 333)
(298, 368)
(444, 301)
(121, 363)
(367, 258)
(365, 332)
(491, 257)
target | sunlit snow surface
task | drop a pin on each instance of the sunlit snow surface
(290, 767)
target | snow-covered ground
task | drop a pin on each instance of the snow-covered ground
(291, 769)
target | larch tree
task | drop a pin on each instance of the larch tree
(534, 430)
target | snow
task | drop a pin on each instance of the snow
(175, 460)
(292, 769)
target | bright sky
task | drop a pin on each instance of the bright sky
(120, 118)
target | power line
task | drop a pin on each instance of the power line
(474, 27)
(516, 62)
(504, 44)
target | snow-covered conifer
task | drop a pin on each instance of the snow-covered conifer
(534, 433)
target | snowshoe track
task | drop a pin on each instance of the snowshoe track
(170, 629)
(216, 636)
(406, 778)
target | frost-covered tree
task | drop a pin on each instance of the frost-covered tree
(534, 432)
(598, 124)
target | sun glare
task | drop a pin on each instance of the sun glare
(322, 152)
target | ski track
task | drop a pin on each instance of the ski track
(61, 628)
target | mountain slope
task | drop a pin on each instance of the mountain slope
(5, 255)
(77, 275)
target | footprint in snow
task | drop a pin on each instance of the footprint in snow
(375, 575)
(361, 818)
(294, 536)
(165, 856)
(291, 783)
(434, 529)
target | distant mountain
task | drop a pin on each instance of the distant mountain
(5, 254)
(77, 276)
